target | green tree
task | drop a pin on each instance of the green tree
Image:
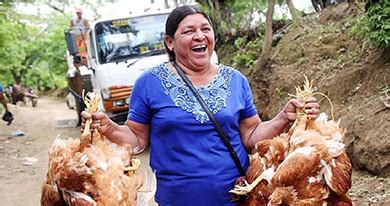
(374, 26)
(12, 43)
(32, 50)
(267, 44)
(232, 18)
(51, 65)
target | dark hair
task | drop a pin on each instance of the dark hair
(173, 21)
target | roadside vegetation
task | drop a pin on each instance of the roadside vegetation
(32, 47)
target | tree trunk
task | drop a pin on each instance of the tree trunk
(17, 77)
(217, 9)
(57, 8)
(351, 7)
(217, 16)
(295, 14)
(259, 82)
(176, 4)
(265, 53)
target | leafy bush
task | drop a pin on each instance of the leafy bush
(33, 53)
(374, 26)
(251, 53)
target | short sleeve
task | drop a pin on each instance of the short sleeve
(249, 109)
(139, 107)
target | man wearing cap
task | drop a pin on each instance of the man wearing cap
(80, 26)
(78, 22)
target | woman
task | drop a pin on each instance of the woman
(192, 165)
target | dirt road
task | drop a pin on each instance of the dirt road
(23, 159)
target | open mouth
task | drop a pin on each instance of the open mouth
(199, 48)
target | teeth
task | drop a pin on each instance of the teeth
(199, 47)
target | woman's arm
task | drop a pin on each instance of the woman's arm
(252, 129)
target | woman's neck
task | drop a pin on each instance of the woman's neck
(199, 76)
(193, 70)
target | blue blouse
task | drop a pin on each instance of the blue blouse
(192, 164)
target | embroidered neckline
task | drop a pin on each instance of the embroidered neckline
(215, 94)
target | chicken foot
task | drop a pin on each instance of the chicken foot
(91, 101)
(247, 188)
(135, 164)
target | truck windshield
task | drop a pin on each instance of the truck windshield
(122, 39)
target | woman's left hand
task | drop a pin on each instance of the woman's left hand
(311, 108)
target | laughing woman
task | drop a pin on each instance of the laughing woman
(193, 166)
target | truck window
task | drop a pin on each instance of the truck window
(122, 39)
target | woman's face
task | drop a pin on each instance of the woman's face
(193, 42)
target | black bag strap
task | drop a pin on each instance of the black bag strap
(217, 126)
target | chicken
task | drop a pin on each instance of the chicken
(310, 165)
(90, 170)
(265, 158)
(301, 172)
(261, 190)
(273, 151)
(317, 171)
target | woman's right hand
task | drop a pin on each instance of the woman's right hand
(100, 121)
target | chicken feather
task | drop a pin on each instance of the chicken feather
(314, 169)
(90, 170)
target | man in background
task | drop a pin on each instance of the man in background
(78, 22)
(80, 27)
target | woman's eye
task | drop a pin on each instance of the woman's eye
(206, 29)
(187, 31)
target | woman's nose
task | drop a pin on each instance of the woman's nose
(199, 35)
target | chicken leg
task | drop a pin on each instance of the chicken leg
(246, 188)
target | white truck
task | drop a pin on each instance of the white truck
(110, 56)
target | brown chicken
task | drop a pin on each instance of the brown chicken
(266, 157)
(309, 166)
(90, 171)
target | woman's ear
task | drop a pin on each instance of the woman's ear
(169, 42)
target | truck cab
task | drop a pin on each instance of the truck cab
(111, 55)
